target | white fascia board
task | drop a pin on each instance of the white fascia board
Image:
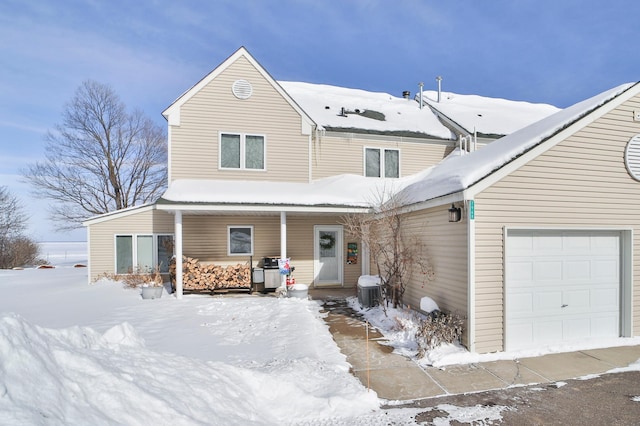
(543, 147)
(306, 127)
(173, 118)
(118, 213)
(260, 208)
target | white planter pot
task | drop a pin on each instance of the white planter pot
(151, 292)
(299, 291)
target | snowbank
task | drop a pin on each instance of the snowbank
(79, 376)
(428, 305)
(117, 358)
(399, 327)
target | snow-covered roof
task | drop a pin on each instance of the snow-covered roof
(488, 116)
(454, 174)
(343, 190)
(364, 110)
(458, 172)
(367, 111)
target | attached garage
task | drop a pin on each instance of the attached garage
(551, 215)
(562, 286)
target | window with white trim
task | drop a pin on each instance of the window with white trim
(239, 151)
(379, 162)
(143, 253)
(240, 240)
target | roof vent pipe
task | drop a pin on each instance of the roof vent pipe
(439, 80)
(406, 94)
(421, 84)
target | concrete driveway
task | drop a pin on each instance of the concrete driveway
(396, 378)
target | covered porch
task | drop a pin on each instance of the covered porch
(322, 253)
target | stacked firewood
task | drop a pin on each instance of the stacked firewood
(197, 276)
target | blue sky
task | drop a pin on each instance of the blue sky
(150, 52)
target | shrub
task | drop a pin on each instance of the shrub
(136, 279)
(18, 251)
(437, 328)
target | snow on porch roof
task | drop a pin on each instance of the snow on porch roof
(338, 191)
(457, 173)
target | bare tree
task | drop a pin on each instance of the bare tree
(101, 158)
(13, 220)
(15, 248)
(396, 252)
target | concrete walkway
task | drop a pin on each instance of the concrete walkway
(395, 377)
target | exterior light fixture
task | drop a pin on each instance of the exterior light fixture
(455, 214)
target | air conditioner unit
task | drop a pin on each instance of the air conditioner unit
(368, 296)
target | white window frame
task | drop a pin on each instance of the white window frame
(134, 254)
(243, 137)
(229, 227)
(382, 165)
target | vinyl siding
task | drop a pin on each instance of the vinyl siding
(340, 153)
(102, 236)
(194, 144)
(205, 238)
(446, 249)
(580, 183)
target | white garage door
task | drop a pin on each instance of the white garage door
(561, 286)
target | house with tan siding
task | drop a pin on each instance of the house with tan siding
(544, 250)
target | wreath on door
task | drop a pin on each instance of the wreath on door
(327, 241)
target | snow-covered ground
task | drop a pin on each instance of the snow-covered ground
(74, 353)
(400, 325)
(64, 253)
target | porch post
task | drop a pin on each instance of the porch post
(283, 244)
(178, 244)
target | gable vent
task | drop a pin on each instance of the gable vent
(632, 157)
(242, 89)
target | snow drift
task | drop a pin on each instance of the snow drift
(79, 376)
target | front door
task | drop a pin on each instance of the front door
(328, 253)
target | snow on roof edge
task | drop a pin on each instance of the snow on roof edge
(458, 173)
(346, 190)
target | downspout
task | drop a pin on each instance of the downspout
(178, 242)
(471, 274)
